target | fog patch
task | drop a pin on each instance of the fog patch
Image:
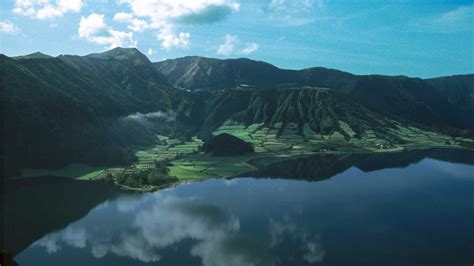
(148, 118)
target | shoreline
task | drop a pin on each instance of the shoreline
(255, 166)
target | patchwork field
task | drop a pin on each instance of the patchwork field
(183, 160)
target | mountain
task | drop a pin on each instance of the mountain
(322, 110)
(96, 108)
(33, 55)
(411, 99)
(226, 145)
(458, 89)
(68, 108)
(127, 55)
(436, 102)
(195, 72)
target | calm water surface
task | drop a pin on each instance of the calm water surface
(415, 212)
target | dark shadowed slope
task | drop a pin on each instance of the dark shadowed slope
(410, 98)
(413, 99)
(194, 72)
(59, 110)
(226, 145)
(458, 89)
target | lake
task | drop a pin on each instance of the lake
(411, 208)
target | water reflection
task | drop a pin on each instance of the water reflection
(324, 166)
(33, 207)
(284, 232)
(418, 215)
(145, 226)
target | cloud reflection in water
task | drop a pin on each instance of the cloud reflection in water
(156, 221)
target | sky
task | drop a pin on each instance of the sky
(415, 38)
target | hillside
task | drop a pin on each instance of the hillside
(458, 89)
(226, 145)
(412, 99)
(431, 102)
(307, 119)
(195, 72)
(321, 110)
(100, 108)
(68, 108)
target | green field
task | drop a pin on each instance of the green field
(185, 161)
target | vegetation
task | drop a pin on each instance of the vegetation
(439, 102)
(226, 145)
(68, 109)
(92, 111)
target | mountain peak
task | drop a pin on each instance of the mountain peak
(122, 54)
(33, 55)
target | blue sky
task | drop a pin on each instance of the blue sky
(415, 38)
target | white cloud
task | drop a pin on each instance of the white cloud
(170, 40)
(182, 11)
(7, 26)
(232, 45)
(227, 48)
(150, 52)
(91, 25)
(45, 9)
(459, 16)
(292, 13)
(250, 48)
(134, 24)
(293, 6)
(457, 20)
(94, 29)
(165, 16)
(123, 17)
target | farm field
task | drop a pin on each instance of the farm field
(185, 161)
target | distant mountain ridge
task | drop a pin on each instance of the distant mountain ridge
(194, 72)
(33, 55)
(68, 108)
(437, 102)
(458, 89)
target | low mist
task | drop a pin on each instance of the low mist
(146, 118)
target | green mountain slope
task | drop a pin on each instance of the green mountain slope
(58, 110)
(423, 101)
(323, 110)
(458, 89)
(195, 72)
(305, 119)
(96, 108)
(410, 98)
